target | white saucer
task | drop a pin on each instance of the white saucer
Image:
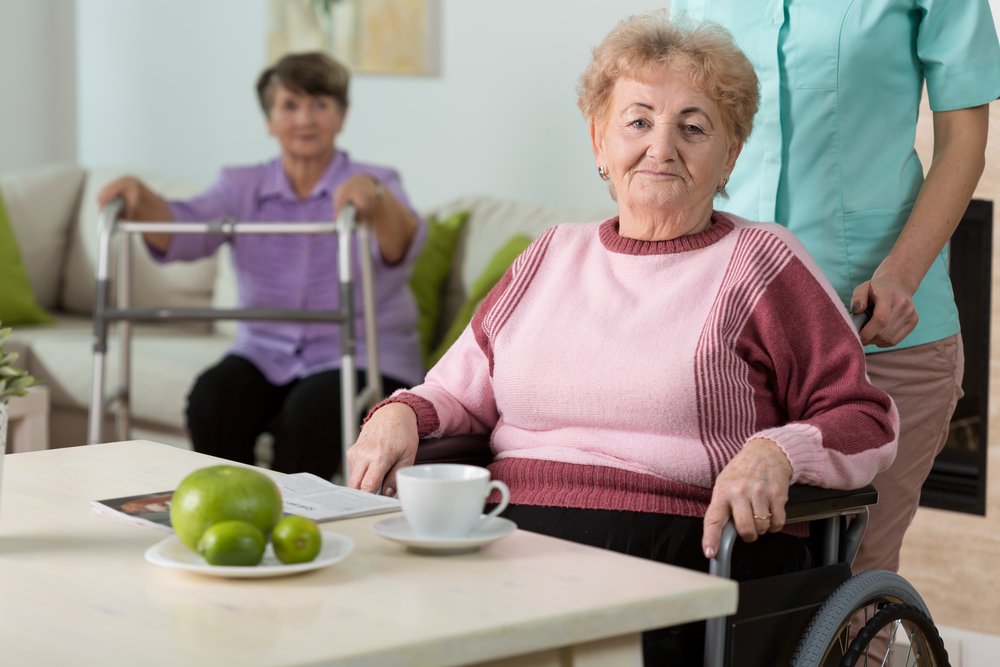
(171, 552)
(397, 529)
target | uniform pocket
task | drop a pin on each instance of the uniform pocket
(812, 50)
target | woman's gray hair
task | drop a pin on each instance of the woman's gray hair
(704, 50)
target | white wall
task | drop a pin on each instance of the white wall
(169, 87)
(37, 82)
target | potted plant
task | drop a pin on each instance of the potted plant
(13, 382)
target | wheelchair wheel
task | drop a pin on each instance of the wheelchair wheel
(827, 639)
(925, 645)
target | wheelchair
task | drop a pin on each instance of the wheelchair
(802, 619)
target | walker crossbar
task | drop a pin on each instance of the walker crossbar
(353, 402)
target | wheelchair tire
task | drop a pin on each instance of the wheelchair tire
(926, 647)
(825, 641)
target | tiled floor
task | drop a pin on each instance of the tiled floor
(970, 649)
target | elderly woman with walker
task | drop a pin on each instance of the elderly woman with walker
(284, 377)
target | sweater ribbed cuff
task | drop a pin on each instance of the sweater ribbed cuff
(802, 444)
(427, 416)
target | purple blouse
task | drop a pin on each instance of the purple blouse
(299, 271)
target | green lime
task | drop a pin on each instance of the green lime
(296, 539)
(223, 493)
(232, 543)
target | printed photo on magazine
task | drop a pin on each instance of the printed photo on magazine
(150, 509)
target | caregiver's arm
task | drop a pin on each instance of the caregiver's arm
(958, 162)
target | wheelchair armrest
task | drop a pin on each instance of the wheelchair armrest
(468, 449)
(806, 503)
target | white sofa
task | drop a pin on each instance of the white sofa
(53, 212)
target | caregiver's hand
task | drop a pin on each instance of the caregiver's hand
(753, 489)
(894, 316)
(387, 443)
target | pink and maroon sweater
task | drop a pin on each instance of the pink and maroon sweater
(623, 374)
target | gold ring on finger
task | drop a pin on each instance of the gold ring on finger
(762, 518)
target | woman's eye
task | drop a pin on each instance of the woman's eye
(694, 129)
(641, 124)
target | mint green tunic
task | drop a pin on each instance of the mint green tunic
(831, 156)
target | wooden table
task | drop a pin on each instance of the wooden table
(76, 590)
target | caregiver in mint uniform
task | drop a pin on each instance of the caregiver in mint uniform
(832, 159)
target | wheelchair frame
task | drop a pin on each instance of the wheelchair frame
(821, 594)
(352, 401)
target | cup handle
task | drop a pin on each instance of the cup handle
(504, 500)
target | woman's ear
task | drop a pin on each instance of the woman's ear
(597, 140)
(735, 149)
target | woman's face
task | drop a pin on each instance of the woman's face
(305, 125)
(665, 146)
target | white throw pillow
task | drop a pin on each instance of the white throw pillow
(178, 284)
(41, 202)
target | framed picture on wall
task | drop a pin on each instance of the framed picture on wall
(369, 36)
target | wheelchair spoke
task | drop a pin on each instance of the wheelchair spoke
(887, 659)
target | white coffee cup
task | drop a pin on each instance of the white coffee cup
(445, 500)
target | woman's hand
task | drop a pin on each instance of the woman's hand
(362, 191)
(894, 315)
(394, 224)
(141, 203)
(753, 489)
(387, 443)
(128, 188)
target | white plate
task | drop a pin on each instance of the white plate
(171, 552)
(397, 529)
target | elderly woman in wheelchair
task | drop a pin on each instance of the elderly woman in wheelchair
(646, 379)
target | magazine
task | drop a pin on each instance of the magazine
(303, 494)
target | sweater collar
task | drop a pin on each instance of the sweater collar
(625, 246)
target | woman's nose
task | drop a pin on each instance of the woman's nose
(662, 144)
(305, 115)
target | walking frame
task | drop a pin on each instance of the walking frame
(109, 224)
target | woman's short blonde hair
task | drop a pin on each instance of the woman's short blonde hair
(704, 50)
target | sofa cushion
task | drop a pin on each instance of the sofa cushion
(165, 363)
(491, 223)
(17, 300)
(430, 272)
(41, 203)
(179, 284)
(224, 294)
(494, 271)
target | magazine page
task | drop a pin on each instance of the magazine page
(317, 499)
(301, 493)
(149, 509)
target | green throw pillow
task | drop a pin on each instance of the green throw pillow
(490, 276)
(430, 273)
(17, 299)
